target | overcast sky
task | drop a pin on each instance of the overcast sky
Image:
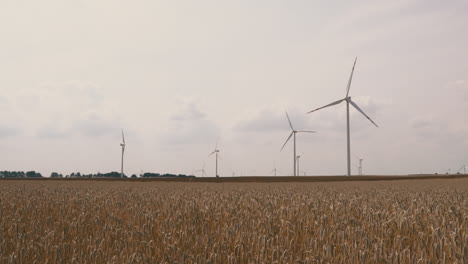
(178, 75)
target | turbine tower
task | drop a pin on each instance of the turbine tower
(216, 151)
(348, 101)
(297, 158)
(293, 133)
(123, 150)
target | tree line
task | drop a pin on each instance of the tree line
(33, 174)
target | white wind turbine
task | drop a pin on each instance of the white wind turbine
(274, 170)
(348, 101)
(360, 165)
(202, 170)
(123, 150)
(463, 168)
(293, 133)
(216, 151)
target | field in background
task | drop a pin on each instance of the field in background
(406, 221)
(262, 178)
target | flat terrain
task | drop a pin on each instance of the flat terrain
(89, 221)
(264, 178)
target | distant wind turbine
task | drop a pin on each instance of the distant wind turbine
(348, 102)
(274, 170)
(360, 165)
(123, 150)
(202, 170)
(463, 168)
(216, 151)
(293, 133)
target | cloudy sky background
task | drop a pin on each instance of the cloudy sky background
(178, 75)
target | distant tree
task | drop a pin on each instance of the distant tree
(134, 176)
(54, 175)
(33, 174)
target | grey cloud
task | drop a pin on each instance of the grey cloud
(190, 126)
(462, 87)
(6, 131)
(430, 129)
(191, 112)
(52, 132)
(421, 122)
(91, 125)
(268, 120)
(95, 126)
(73, 108)
(87, 94)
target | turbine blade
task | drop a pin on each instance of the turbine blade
(350, 79)
(123, 137)
(290, 135)
(289, 120)
(306, 131)
(362, 112)
(214, 151)
(328, 105)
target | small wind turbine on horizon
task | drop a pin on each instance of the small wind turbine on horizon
(274, 169)
(348, 101)
(123, 150)
(202, 170)
(216, 151)
(463, 168)
(293, 133)
(360, 165)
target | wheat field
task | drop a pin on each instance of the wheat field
(419, 221)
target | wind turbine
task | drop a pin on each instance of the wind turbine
(348, 101)
(293, 133)
(360, 165)
(123, 150)
(202, 170)
(216, 151)
(463, 168)
(274, 170)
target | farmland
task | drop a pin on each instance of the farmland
(88, 221)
